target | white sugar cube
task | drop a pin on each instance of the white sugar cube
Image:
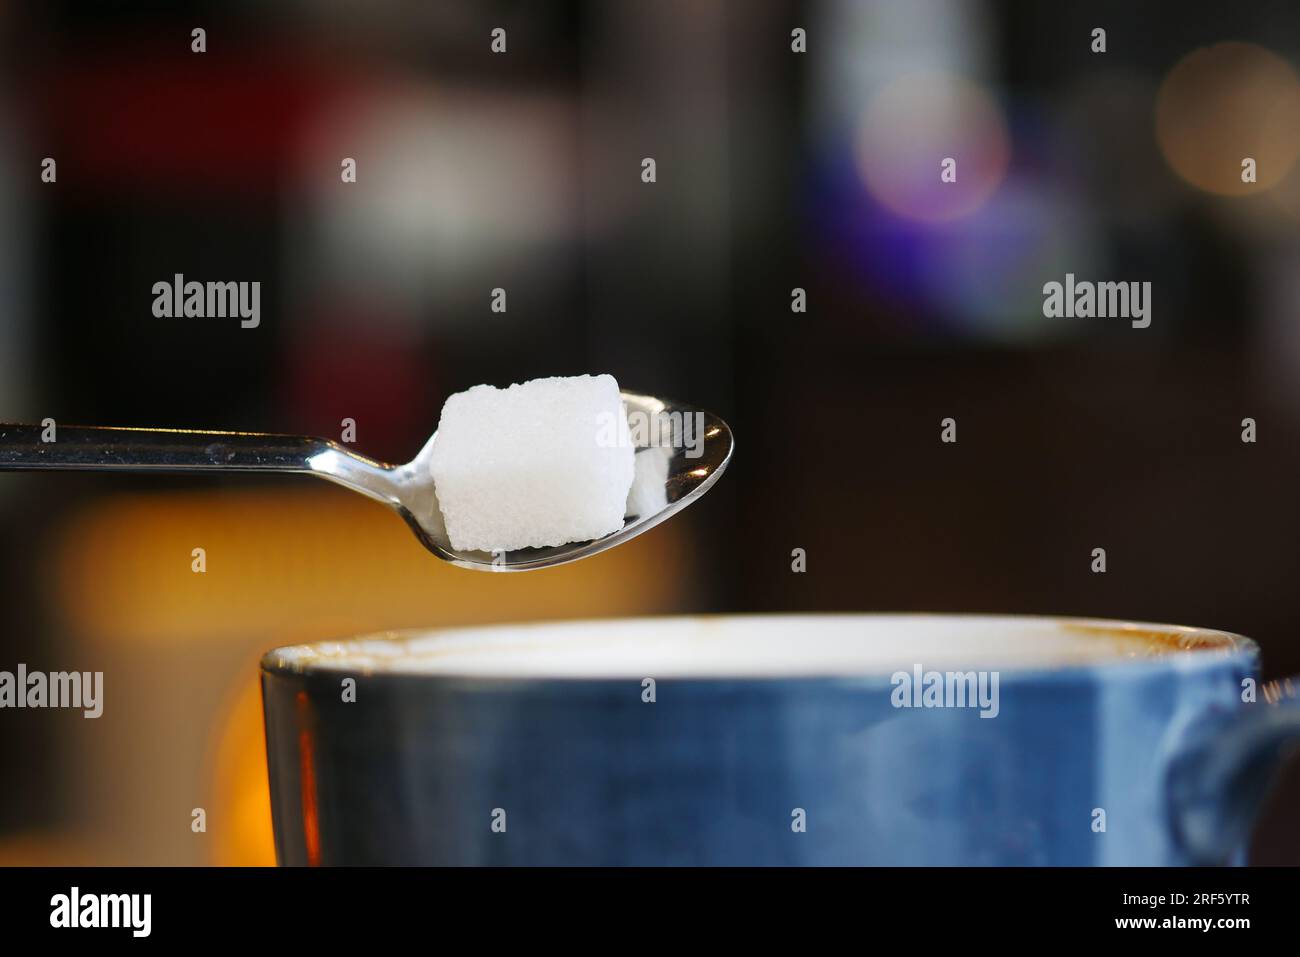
(648, 495)
(538, 464)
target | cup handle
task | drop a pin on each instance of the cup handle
(1221, 774)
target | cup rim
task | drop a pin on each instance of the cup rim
(1188, 649)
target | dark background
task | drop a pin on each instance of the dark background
(522, 171)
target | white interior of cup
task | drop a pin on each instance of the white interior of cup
(756, 646)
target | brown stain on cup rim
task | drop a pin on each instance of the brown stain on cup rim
(1155, 640)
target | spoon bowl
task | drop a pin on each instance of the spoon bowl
(694, 463)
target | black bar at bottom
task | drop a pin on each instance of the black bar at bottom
(382, 907)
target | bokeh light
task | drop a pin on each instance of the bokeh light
(1223, 103)
(916, 122)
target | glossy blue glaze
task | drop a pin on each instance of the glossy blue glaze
(713, 771)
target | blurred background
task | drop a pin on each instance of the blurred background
(776, 170)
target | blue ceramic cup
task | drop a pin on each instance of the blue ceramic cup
(782, 739)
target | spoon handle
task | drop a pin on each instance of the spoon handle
(84, 448)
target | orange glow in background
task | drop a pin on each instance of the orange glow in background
(1223, 103)
(182, 724)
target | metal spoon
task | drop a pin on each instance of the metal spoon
(693, 448)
